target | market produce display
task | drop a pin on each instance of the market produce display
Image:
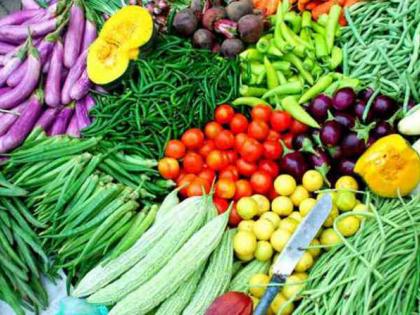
(211, 157)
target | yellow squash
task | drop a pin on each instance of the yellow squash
(106, 62)
(131, 26)
(390, 167)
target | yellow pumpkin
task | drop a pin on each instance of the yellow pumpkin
(390, 167)
(131, 26)
(134, 53)
(106, 62)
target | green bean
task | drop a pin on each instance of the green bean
(26, 254)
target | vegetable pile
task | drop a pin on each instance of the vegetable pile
(43, 81)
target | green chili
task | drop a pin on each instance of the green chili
(316, 89)
(272, 80)
(249, 101)
(285, 89)
(246, 90)
(291, 105)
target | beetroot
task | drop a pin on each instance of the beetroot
(237, 9)
(226, 27)
(203, 38)
(185, 22)
(250, 28)
(232, 303)
(211, 16)
(232, 47)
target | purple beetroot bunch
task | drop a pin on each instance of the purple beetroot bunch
(43, 77)
(348, 128)
(219, 28)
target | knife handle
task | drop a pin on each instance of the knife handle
(269, 294)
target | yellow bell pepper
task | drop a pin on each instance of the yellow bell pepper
(390, 167)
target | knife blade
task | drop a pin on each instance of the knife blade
(294, 249)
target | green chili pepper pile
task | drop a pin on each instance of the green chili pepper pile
(381, 47)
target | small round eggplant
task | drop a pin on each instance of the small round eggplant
(294, 164)
(384, 106)
(346, 166)
(344, 98)
(319, 107)
(344, 119)
(382, 129)
(366, 94)
(331, 133)
(359, 109)
(352, 146)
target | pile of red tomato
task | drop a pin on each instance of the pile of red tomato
(240, 156)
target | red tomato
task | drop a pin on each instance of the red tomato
(175, 149)
(197, 187)
(288, 140)
(207, 147)
(221, 204)
(261, 182)
(272, 150)
(270, 167)
(239, 124)
(225, 188)
(261, 112)
(185, 183)
(258, 130)
(232, 156)
(239, 140)
(180, 177)
(245, 168)
(230, 172)
(224, 114)
(169, 168)
(216, 160)
(280, 120)
(273, 136)
(224, 140)
(193, 163)
(251, 150)
(234, 218)
(193, 138)
(207, 174)
(212, 129)
(298, 128)
(243, 189)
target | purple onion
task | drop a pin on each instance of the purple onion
(331, 133)
(61, 123)
(74, 36)
(346, 166)
(382, 129)
(319, 107)
(344, 119)
(82, 114)
(352, 146)
(73, 128)
(344, 98)
(47, 118)
(8, 119)
(359, 109)
(81, 87)
(383, 106)
(366, 94)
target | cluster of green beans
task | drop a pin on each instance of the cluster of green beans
(91, 202)
(376, 271)
(22, 259)
(173, 88)
(381, 46)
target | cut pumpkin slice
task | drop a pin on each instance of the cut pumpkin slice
(106, 62)
(131, 26)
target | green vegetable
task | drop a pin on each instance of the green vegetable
(332, 25)
(250, 101)
(285, 89)
(290, 105)
(246, 90)
(272, 80)
(240, 282)
(319, 87)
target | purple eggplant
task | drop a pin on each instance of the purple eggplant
(27, 85)
(294, 164)
(366, 94)
(319, 107)
(89, 102)
(73, 128)
(90, 34)
(30, 4)
(73, 75)
(12, 65)
(18, 33)
(382, 129)
(344, 119)
(298, 141)
(19, 17)
(360, 108)
(47, 118)
(4, 90)
(2, 61)
(61, 123)
(74, 36)
(6, 48)
(100, 89)
(82, 114)
(40, 17)
(7, 119)
(22, 127)
(331, 133)
(371, 140)
(320, 161)
(343, 98)
(352, 145)
(53, 82)
(384, 106)
(346, 166)
(81, 87)
(46, 66)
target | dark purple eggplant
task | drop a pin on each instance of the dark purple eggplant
(411, 104)
(372, 139)
(47, 118)
(331, 133)
(319, 107)
(12, 65)
(30, 4)
(73, 75)
(73, 128)
(346, 166)
(18, 17)
(298, 141)
(22, 127)
(352, 145)
(81, 87)
(294, 163)
(320, 161)
(382, 129)
(359, 109)
(18, 33)
(343, 98)
(336, 152)
(383, 107)
(6, 48)
(53, 81)
(74, 35)
(82, 113)
(8, 119)
(344, 119)
(90, 34)
(62, 121)
(27, 85)
(366, 94)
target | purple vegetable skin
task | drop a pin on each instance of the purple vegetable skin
(81, 87)
(6, 48)
(4, 90)
(46, 66)
(47, 118)
(352, 146)
(18, 33)
(53, 82)
(73, 128)
(73, 75)
(319, 107)
(11, 66)
(18, 17)
(74, 36)
(294, 164)
(331, 133)
(82, 114)
(22, 127)
(40, 17)
(90, 35)
(7, 119)
(89, 102)
(26, 86)
(62, 121)
(30, 4)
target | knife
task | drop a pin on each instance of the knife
(293, 251)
